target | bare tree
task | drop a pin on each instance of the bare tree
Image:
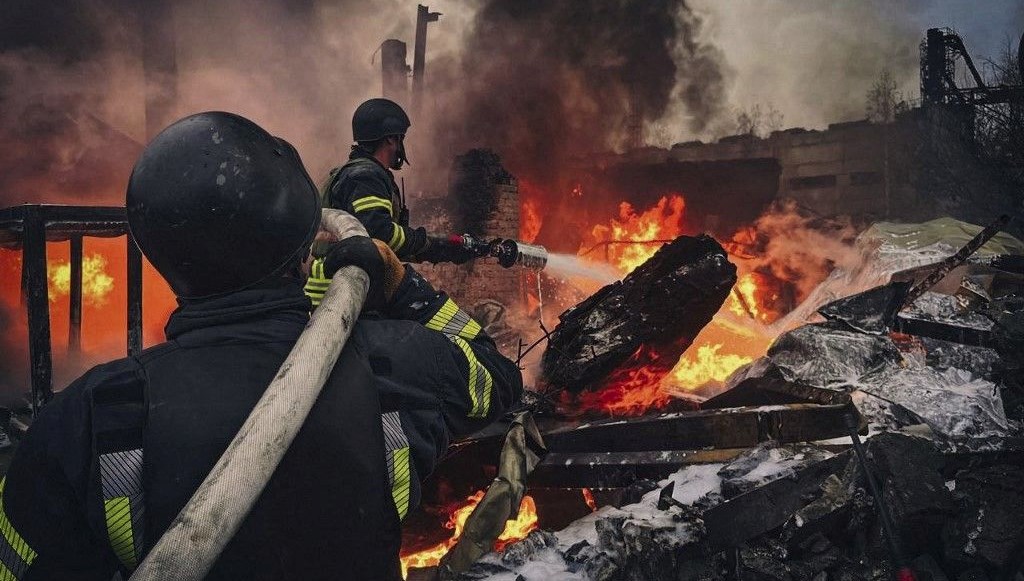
(758, 121)
(884, 100)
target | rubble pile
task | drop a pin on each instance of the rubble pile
(939, 386)
(967, 526)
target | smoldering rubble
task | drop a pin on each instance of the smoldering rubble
(934, 387)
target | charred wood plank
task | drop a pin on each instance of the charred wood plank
(618, 469)
(727, 428)
(767, 507)
(134, 296)
(75, 300)
(761, 391)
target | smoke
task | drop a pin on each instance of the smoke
(541, 82)
(815, 61)
(796, 246)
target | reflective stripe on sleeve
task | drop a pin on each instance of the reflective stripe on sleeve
(317, 283)
(451, 320)
(397, 237)
(396, 452)
(480, 382)
(15, 554)
(123, 503)
(371, 202)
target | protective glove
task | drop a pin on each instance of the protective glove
(365, 253)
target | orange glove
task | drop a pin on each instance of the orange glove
(393, 273)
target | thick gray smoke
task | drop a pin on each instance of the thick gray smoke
(542, 81)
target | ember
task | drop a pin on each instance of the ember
(517, 529)
(588, 497)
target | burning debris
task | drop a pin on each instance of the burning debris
(642, 324)
(684, 495)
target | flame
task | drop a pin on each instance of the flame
(664, 221)
(708, 365)
(104, 316)
(588, 497)
(733, 338)
(96, 283)
(743, 300)
(530, 220)
(630, 392)
(515, 529)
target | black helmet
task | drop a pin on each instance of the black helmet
(218, 205)
(378, 118)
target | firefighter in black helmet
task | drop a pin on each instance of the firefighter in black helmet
(227, 213)
(364, 186)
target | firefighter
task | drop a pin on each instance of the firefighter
(227, 214)
(365, 187)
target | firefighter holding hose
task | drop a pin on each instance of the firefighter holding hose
(109, 464)
(365, 185)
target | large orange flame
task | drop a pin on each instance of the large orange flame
(104, 312)
(96, 282)
(728, 342)
(515, 529)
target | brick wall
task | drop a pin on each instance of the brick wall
(476, 285)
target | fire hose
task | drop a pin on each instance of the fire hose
(216, 510)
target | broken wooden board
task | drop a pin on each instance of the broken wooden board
(726, 428)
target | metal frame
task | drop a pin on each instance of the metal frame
(29, 227)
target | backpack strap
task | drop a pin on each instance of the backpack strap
(118, 424)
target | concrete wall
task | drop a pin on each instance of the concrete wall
(850, 168)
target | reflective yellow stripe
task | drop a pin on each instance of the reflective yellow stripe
(370, 202)
(470, 330)
(443, 315)
(119, 529)
(12, 537)
(397, 237)
(480, 381)
(316, 284)
(452, 320)
(401, 485)
(6, 574)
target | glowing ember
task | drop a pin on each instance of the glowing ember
(516, 529)
(96, 283)
(588, 497)
(707, 366)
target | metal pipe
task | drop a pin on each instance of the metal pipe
(75, 298)
(134, 296)
(34, 265)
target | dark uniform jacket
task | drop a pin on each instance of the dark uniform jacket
(114, 457)
(366, 189)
